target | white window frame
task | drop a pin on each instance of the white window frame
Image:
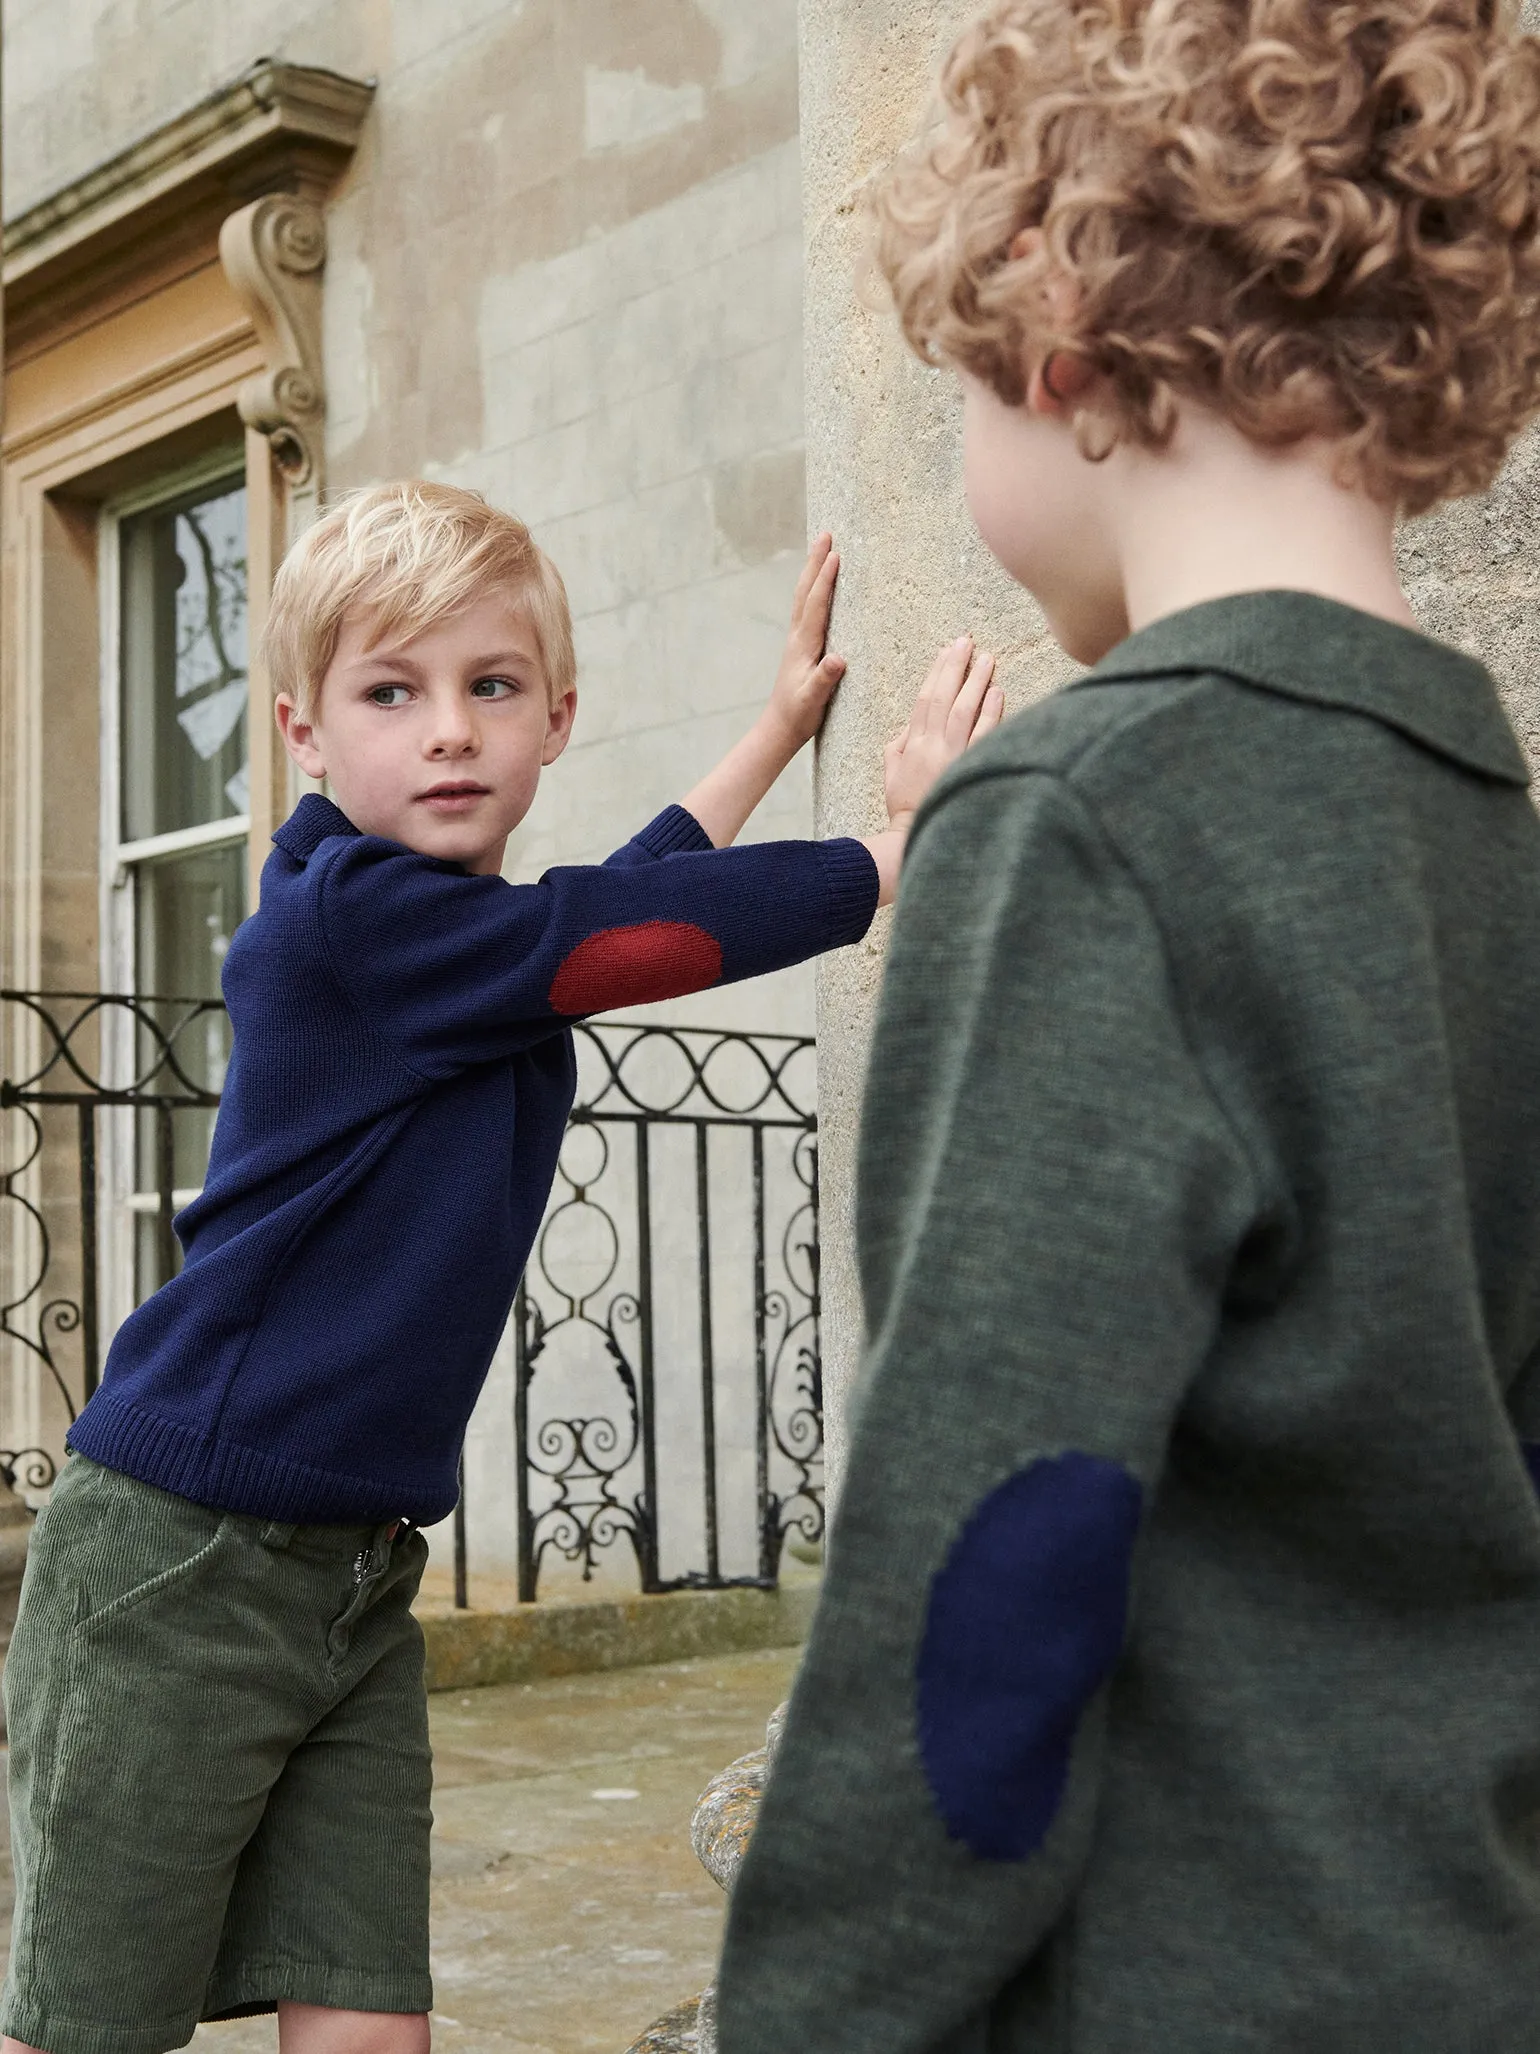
(118, 1201)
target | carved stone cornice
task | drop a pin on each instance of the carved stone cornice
(273, 252)
(277, 128)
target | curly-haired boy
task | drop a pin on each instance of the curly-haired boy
(1176, 1684)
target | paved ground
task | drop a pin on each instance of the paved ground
(569, 1910)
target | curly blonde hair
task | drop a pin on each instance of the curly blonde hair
(1315, 216)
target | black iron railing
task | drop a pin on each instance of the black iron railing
(667, 1405)
(712, 1138)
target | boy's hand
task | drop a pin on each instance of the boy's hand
(805, 682)
(958, 704)
(804, 685)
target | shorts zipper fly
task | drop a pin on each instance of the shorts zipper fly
(363, 1561)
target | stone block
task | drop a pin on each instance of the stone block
(760, 503)
(754, 38)
(569, 470)
(519, 388)
(621, 549)
(753, 401)
(705, 225)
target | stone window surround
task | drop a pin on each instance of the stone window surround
(168, 297)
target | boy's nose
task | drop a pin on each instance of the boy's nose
(455, 736)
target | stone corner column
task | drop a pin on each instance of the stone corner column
(884, 473)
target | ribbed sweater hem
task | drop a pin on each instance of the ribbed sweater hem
(231, 1478)
(850, 888)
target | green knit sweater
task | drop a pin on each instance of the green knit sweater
(1176, 1683)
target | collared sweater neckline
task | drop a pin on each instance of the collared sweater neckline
(1305, 647)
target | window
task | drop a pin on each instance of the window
(177, 787)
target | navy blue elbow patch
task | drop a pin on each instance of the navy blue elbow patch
(1025, 1625)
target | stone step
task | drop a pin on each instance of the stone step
(566, 1637)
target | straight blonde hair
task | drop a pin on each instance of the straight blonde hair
(401, 557)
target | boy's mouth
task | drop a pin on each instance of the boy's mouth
(453, 795)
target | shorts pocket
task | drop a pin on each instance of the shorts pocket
(126, 1543)
(151, 1586)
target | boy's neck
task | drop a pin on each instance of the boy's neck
(1214, 515)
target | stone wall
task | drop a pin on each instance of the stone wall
(884, 470)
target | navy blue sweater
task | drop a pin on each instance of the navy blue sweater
(400, 1080)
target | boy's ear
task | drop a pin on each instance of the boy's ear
(1058, 383)
(1060, 380)
(558, 727)
(298, 736)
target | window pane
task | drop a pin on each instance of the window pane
(184, 663)
(186, 910)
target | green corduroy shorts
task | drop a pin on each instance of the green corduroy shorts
(219, 1770)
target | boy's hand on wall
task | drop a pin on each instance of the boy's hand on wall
(958, 704)
(804, 685)
(805, 682)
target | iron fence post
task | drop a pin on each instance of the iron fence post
(527, 1565)
(648, 1550)
(165, 1177)
(90, 1339)
(769, 1554)
(462, 1593)
(708, 1375)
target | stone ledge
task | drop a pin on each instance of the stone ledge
(271, 109)
(566, 1639)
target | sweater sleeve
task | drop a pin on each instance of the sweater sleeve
(672, 833)
(456, 969)
(1048, 1202)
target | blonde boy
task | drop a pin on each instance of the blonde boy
(219, 1756)
(1175, 1687)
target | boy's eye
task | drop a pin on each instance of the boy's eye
(493, 688)
(388, 695)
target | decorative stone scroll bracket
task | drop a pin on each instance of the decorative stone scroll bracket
(273, 252)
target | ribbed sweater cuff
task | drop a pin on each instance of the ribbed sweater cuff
(850, 889)
(673, 830)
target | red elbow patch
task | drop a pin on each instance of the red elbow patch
(634, 966)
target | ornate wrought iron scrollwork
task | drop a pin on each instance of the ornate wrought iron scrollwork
(692, 1074)
(589, 1475)
(154, 1071)
(579, 1456)
(148, 1036)
(794, 1386)
(27, 1469)
(54, 1315)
